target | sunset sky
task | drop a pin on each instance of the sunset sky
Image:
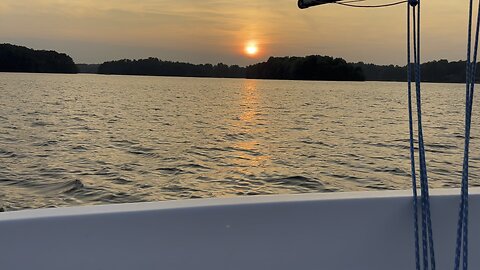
(213, 31)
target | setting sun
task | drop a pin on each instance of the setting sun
(251, 49)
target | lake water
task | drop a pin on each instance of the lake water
(91, 139)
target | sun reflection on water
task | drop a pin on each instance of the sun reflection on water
(249, 101)
(250, 152)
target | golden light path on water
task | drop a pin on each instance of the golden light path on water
(250, 123)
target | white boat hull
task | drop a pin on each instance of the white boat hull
(365, 230)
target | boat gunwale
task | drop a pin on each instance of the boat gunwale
(256, 200)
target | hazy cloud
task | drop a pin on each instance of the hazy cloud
(216, 30)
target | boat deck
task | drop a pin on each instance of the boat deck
(361, 230)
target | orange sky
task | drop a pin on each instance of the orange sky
(214, 31)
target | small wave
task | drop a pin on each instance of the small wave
(238, 149)
(121, 181)
(86, 128)
(143, 186)
(346, 177)
(64, 187)
(40, 124)
(299, 128)
(395, 171)
(169, 170)
(143, 153)
(237, 136)
(194, 165)
(129, 167)
(123, 142)
(299, 181)
(204, 178)
(46, 143)
(111, 121)
(56, 103)
(199, 153)
(308, 141)
(211, 148)
(73, 186)
(79, 148)
(78, 119)
(378, 186)
(250, 193)
(386, 145)
(7, 154)
(462, 136)
(440, 127)
(105, 171)
(442, 171)
(8, 178)
(119, 197)
(440, 146)
(143, 149)
(55, 173)
(177, 188)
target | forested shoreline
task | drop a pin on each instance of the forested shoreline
(15, 58)
(22, 59)
(441, 71)
(313, 67)
(156, 67)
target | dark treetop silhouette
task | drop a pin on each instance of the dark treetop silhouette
(435, 71)
(312, 67)
(155, 67)
(21, 59)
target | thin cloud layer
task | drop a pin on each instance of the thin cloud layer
(217, 30)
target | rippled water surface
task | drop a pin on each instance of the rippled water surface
(88, 139)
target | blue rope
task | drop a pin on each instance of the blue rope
(412, 147)
(467, 94)
(423, 163)
(422, 182)
(424, 224)
(462, 226)
(428, 251)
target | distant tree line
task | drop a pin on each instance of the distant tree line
(374, 72)
(15, 58)
(22, 59)
(312, 67)
(156, 67)
(441, 71)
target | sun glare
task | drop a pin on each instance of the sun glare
(251, 49)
